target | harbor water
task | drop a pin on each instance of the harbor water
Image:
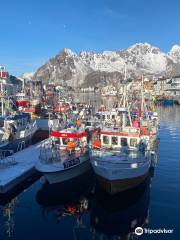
(78, 210)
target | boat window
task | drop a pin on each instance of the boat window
(88, 124)
(105, 139)
(114, 140)
(64, 140)
(56, 140)
(133, 142)
(124, 142)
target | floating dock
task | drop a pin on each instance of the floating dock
(17, 167)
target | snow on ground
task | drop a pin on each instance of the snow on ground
(25, 160)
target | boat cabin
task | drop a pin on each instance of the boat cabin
(19, 121)
(115, 114)
(111, 140)
(70, 140)
(130, 138)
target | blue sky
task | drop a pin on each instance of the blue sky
(32, 31)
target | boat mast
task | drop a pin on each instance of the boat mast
(142, 94)
(2, 100)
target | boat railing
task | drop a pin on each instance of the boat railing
(47, 155)
(126, 163)
(50, 152)
(6, 158)
(124, 157)
(21, 146)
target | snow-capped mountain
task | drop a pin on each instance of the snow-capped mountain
(66, 67)
(93, 68)
(28, 75)
(175, 53)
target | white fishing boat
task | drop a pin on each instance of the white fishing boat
(64, 156)
(121, 160)
(123, 150)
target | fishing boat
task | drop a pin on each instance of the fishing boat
(65, 155)
(27, 105)
(122, 159)
(16, 131)
(123, 149)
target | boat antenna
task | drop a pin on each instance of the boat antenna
(125, 72)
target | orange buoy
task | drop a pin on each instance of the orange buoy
(96, 144)
(71, 145)
(78, 123)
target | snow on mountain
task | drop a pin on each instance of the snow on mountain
(66, 67)
(105, 61)
(28, 75)
(175, 53)
(96, 67)
(146, 57)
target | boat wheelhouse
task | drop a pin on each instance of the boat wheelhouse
(26, 105)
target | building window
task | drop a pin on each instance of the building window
(133, 142)
(105, 139)
(114, 140)
(124, 142)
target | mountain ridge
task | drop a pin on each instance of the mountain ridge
(88, 68)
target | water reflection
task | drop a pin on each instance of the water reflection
(8, 215)
(169, 117)
(66, 199)
(116, 217)
(111, 217)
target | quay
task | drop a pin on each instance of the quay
(21, 166)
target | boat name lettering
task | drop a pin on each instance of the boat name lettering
(71, 163)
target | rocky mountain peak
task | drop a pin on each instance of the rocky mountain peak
(89, 68)
(68, 52)
(143, 48)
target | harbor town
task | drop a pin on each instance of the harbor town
(103, 140)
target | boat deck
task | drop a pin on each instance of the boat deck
(18, 167)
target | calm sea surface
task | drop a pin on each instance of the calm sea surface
(80, 211)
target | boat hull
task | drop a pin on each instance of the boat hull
(119, 185)
(114, 179)
(65, 175)
(17, 144)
